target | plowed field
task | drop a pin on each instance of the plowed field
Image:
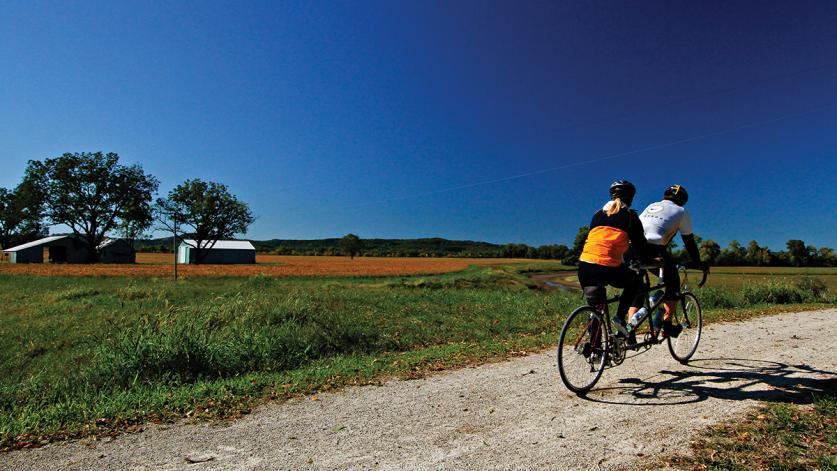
(159, 265)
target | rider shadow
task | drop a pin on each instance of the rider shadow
(755, 380)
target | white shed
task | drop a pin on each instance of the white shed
(222, 251)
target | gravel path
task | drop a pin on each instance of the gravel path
(515, 414)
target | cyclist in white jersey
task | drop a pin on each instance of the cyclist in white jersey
(660, 222)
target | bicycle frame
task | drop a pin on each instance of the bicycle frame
(645, 291)
(588, 343)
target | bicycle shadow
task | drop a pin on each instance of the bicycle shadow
(755, 380)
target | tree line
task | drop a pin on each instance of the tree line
(94, 195)
(797, 253)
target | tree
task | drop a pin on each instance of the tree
(92, 194)
(709, 251)
(207, 211)
(578, 245)
(515, 250)
(797, 252)
(732, 255)
(20, 215)
(756, 255)
(553, 252)
(350, 245)
(827, 256)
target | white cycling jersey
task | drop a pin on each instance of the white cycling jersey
(661, 221)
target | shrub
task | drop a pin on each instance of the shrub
(719, 298)
(774, 292)
(813, 289)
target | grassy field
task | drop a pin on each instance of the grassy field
(736, 278)
(776, 437)
(160, 265)
(95, 355)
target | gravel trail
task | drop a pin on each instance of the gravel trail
(514, 414)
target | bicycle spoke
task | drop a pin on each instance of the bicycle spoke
(581, 354)
(684, 346)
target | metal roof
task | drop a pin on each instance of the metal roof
(108, 241)
(45, 240)
(220, 244)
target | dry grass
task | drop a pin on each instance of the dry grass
(739, 277)
(159, 265)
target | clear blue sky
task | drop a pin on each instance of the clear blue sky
(406, 119)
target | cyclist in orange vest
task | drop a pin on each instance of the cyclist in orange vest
(613, 229)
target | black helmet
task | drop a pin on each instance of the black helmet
(624, 190)
(676, 194)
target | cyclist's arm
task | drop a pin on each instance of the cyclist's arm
(689, 239)
(691, 247)
(637, 237)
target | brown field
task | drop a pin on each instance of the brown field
(159, 265)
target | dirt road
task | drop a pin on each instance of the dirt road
(500, 416)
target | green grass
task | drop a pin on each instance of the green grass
(775, 437)
(739, 277)
(92, 355)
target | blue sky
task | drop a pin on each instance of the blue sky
(409, 119)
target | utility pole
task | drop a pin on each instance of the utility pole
(174, 244)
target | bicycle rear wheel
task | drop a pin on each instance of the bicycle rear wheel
(582, 349)
(684, 346)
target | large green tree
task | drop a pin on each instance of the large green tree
(578, 246)
(20, 214)
(709, 251)
(756, 255)
(93, 194)
(351, 245)
(797, 252)
(206, 211)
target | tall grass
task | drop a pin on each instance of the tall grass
(801, 290)
(89, 351)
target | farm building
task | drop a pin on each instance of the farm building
(67, 249)
(222, 251)
(57, 249)
(116, 251)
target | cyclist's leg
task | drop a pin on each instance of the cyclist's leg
(625, 278)
(593, 285)
(672, 294)
(639, 298)
(672, 281)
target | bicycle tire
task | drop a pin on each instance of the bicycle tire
(690, 317)
(584, 329)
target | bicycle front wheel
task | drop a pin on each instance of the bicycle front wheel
(684, 346)
(582, 350)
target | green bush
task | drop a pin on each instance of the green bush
(718, 298)
(813, 289)
(804, 290)
(185, 346)
(774, 292)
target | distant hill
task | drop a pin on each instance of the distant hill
(432, 247)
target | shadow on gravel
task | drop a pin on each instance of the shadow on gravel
(756, 380)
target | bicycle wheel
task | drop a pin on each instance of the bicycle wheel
(684, 346)
(582, 350)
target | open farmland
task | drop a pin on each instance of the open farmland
(738, 277)
(735, 278)
(159, 265)
(94, 355)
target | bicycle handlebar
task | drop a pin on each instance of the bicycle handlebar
(637, 267)
(704, 270)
